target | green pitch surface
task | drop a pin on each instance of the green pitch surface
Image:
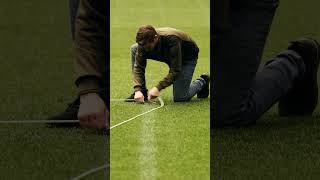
(171, 142)
(276, 148)
(37, 81)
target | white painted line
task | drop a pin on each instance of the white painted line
(126, 121)
(91, 171)
(147, 159)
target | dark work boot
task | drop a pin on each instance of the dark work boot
(204, 92)
(71, 113)
(303, 97)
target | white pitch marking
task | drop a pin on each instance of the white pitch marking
(147, 158)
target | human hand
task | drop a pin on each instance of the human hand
(153, 93)
(93, 112)
(139, 97)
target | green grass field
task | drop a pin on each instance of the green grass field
(171, 142)
(276, 148)
(37, 81)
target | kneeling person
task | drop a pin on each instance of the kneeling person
(179, 52)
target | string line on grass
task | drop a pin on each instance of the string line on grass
(130, 100)
(73, 121)
(126, 121)
(38, 121)
(91, 171)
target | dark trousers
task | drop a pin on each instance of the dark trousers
(241, 94)
(73, 9)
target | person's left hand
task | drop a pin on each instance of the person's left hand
(153, 93)
(93, 112)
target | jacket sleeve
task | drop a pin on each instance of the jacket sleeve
(90, 46)
(175, 65)
(139, 69)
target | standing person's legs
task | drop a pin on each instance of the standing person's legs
(183, 88)
(73, 10)
(241, 95)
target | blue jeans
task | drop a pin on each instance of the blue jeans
(241, 95)
(183, 87)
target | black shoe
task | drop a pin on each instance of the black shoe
(204, 92)
(303, 97)
(71, 113)
(131, 97)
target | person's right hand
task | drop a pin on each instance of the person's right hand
(138, 97)
(93, 112)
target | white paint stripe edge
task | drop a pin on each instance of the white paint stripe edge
(126, 121)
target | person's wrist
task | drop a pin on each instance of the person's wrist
(137, 88)
(83, 97)
(159, 87)
(88, 85)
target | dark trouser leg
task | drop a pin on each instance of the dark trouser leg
(183, 88)
(240, 94)
(73, 9)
